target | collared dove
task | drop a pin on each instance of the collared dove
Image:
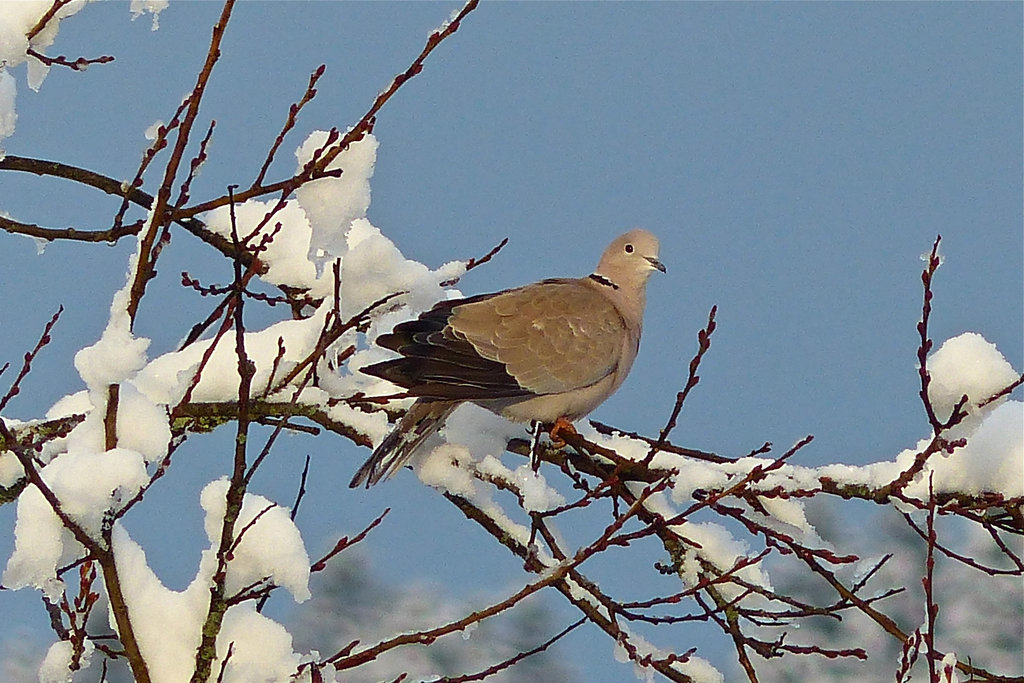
(548, 352)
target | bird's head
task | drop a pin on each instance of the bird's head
(630, 259)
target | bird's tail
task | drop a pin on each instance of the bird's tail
(421, 420)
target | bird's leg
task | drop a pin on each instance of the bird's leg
(536, 429)
(562, 424)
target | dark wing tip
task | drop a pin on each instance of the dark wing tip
(437, 363)
(389, 370)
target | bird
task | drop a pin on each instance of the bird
(547, 352)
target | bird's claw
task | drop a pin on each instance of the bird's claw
(561, 425)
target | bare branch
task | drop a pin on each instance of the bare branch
(26, 365)
(703, 344)
(144, 267)
(79, 64)
(293, 113)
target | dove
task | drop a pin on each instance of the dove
(548, 352)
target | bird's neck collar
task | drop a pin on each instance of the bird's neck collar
(602, 280)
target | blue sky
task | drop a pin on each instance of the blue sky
(796, 159)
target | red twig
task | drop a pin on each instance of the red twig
(1005, 391)
(160, 214)
(512, 661)
(703, 344)
(931, 608)
(29, 357)
(218, 604)
(925, 347)
(317, 168)
(474, 262)
(346, 542)
(48, 15)
(908, 655)
(248, 525)
(293, 113)
(80, 64)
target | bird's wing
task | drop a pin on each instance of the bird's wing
(550, 337)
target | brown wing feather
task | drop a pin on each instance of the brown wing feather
(546, 338)
(552, 337)
(436, 363)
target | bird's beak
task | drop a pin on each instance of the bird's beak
(655, 263)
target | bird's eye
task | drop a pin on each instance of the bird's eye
(629, 248)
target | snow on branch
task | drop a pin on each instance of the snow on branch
(721, 525)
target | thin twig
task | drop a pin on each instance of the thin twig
(703, 344)
(475, 262)
(293, 113)
(512, 661)
(29, 357)
(346, 542)
(48, 15)
(925, 347)
(144, 267)
(79, 64)
(931, 608)
(128, 192)
(364, 126)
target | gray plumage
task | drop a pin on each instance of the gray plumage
(553, 349)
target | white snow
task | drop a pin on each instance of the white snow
(438, 468)
(165, 379)
(142, 425)
(694, 475)
(324, 224)
(56, 663)
(168, 623)
(474, 435)
(331, 204)
(88, 485)
(481, 431)
(118, 354)
(700, 670)
(537, 495)
(10, 469)
(261, 648)
(154, 7)
(375, 268)
(71, 404)
(115, 357)
(967, 365)
(153, 130)
(789, 512)
(16, 20)
(288, 254)
(948, 673)
(626, 447)
(714, 544)
(8, 115)
(373, 425)
(90, 482)
(271, 548)
(992, 460)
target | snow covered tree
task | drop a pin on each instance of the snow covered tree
(277, 349)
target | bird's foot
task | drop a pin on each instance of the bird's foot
(561, 425)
